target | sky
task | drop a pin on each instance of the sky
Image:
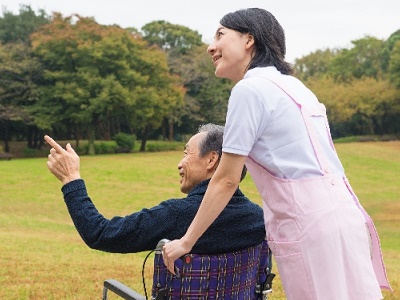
(309, 25)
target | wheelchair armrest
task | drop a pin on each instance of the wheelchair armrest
(121, 290)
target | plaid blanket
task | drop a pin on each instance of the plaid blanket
(225, 276)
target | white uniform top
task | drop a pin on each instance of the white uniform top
(264, 123)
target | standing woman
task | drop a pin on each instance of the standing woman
(324, 243)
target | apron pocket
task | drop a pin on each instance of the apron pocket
(292, 269)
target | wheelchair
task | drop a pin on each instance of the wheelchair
(243, 274)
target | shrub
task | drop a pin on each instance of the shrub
(125, 142)
(99, 148)
(105, 148)
(31, 152)
(164, 146)
(82, 149)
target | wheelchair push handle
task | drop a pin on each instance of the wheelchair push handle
(159, 248)
(160, 245)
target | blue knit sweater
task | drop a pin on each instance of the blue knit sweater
(240, 225)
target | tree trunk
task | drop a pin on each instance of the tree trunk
(6, 137)
(36, 142)
(29, 137)
(164, 128)
(91, 136)
(144, 139)
(78, 136)
(171, 129)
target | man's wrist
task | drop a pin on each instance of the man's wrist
(70, 178)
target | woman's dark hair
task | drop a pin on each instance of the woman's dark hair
(269, 37)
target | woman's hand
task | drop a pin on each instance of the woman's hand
(172, 251)
(63, 163)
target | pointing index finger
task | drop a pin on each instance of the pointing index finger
(53, 144)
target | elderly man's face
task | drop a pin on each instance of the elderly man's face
(193, 168)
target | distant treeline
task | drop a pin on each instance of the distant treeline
(76, 79)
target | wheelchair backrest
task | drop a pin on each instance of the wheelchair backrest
(234, 275)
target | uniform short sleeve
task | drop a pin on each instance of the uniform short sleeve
(245, 118)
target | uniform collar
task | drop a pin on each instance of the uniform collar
(261, 71)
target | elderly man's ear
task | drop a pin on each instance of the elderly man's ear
(213, 157)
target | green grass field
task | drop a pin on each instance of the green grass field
(43, 257)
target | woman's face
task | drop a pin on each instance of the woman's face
(231, 53)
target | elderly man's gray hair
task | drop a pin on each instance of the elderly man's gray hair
(213, 142)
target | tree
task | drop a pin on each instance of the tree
(86, 72)
(363, 59)
(19, 76)
(394, 76)
(372, 101)
(394, 65)
(356, 87)
(176, 41)
(19, 73)
(364, 106)
(314, 64)
(95, 72)
(206, 94)
(173, 38)
(387, 49)
(158, 97)
(18, 28)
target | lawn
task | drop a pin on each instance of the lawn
(43, 257)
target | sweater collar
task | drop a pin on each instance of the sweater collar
(201, 188)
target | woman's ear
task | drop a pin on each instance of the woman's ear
(250, 41)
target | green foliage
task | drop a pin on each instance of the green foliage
(81, 74)
(171, 37)
(100, 147)
(105, 148)
(95, 72)
(355, 139)
(158, 146)
(365, 138)
(19, 76)
(206, 96)
(29, 152)
(17, 28)
(363, 59)
(388, 48)
(394, 66)
(125, 142)
(315, 64)
(361, 96)
(83, 80)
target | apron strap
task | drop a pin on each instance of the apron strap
(308, 112)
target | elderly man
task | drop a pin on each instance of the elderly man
(239, 226)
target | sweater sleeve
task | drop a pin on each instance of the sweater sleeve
(139, 231)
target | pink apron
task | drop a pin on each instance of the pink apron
(317, 229)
